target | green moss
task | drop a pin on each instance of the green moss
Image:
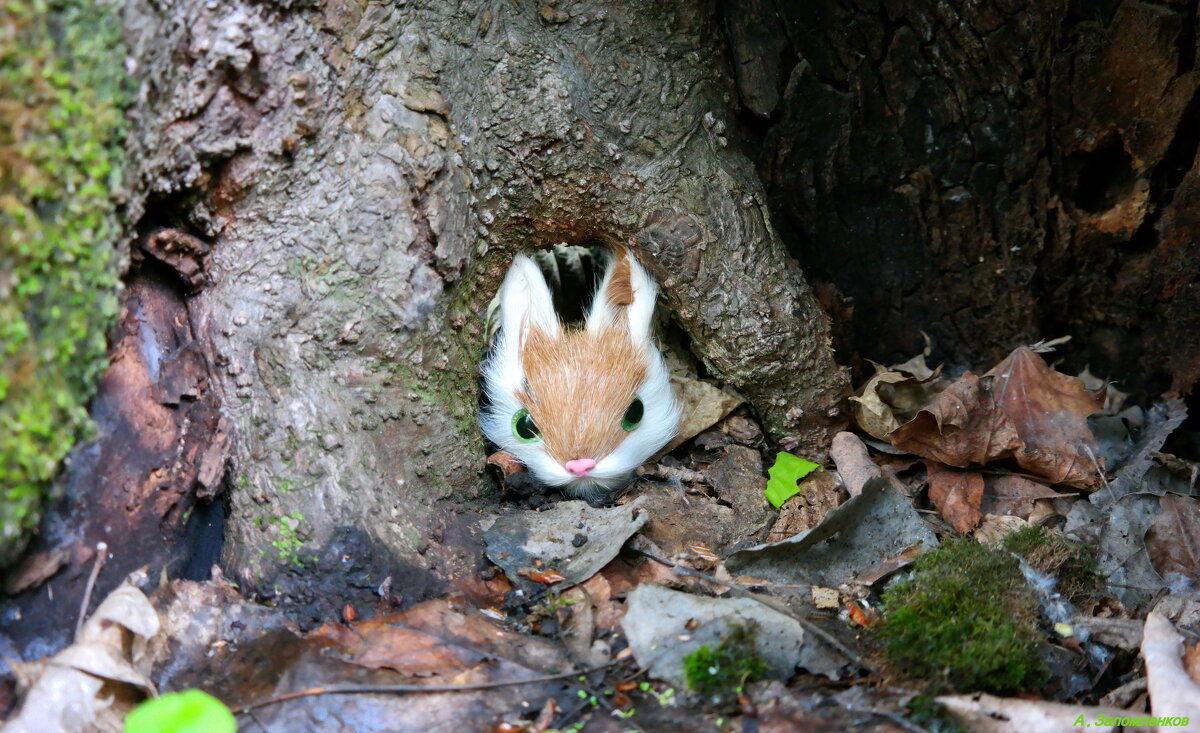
(62, 87)
(1050, 553)
(288, 543)
(965, 620)
(719, 674)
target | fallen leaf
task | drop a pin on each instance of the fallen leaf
(1007, 494)
(431, 643)
(545, 718)
(703, 405)
(522, 538)
(506, 463)
(1161, 421)
(862, 615)
(545, 577)
(75, 690)
(1021, 409)
(869, 410)
(1049, 411)
(784, 475)
(1191, 661)
(962, 426)
(35, 570)
(1118, 532)
(885, 568)
(1173, 540)
(879, 522)
(958, 495)
(192, 710)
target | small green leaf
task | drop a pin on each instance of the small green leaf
(192, 711)
(786, 472)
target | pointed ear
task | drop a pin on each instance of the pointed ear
(625, 298)
(525, 301)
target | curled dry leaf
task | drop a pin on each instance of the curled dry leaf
(1049, 410)
(862, 614)
(958, 495)
(870, 412)
(1021, 409)
(506, 463)
(703, 405)
(892, 396)
(961, 426)
(545, 577)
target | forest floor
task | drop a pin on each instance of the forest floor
(1009, 551)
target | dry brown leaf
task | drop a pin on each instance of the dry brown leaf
(884, 568)
(506, 463)
(703, 405)
(1014, 495)
(958, 495)
(428, 639)
(961, 426)
(1191, 661)
(870, 412)
(892, 396)
(1049, 411)
(537, 575)
(1173, 541)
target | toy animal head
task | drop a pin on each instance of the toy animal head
(581, 408)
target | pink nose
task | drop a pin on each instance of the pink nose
(580, 466)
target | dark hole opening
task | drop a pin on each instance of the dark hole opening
(1103, 177)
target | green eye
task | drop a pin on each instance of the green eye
(524, 427)
(633, 415)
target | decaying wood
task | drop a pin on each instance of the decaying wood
(160, 445)
(991, 174)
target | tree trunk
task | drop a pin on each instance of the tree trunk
(989, 173)
(359, 176)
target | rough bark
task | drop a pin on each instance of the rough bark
(361, 175)
(990, 173)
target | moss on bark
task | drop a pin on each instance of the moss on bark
(63, 86)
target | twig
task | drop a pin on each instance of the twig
(101, 552)
(739, 590)
(1100, 471)
(420, 689)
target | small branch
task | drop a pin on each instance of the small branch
(418, 689)
(740, 590)
(101, 552)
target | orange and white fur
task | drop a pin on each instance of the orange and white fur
(565, 402)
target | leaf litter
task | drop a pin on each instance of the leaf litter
(585, 602)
